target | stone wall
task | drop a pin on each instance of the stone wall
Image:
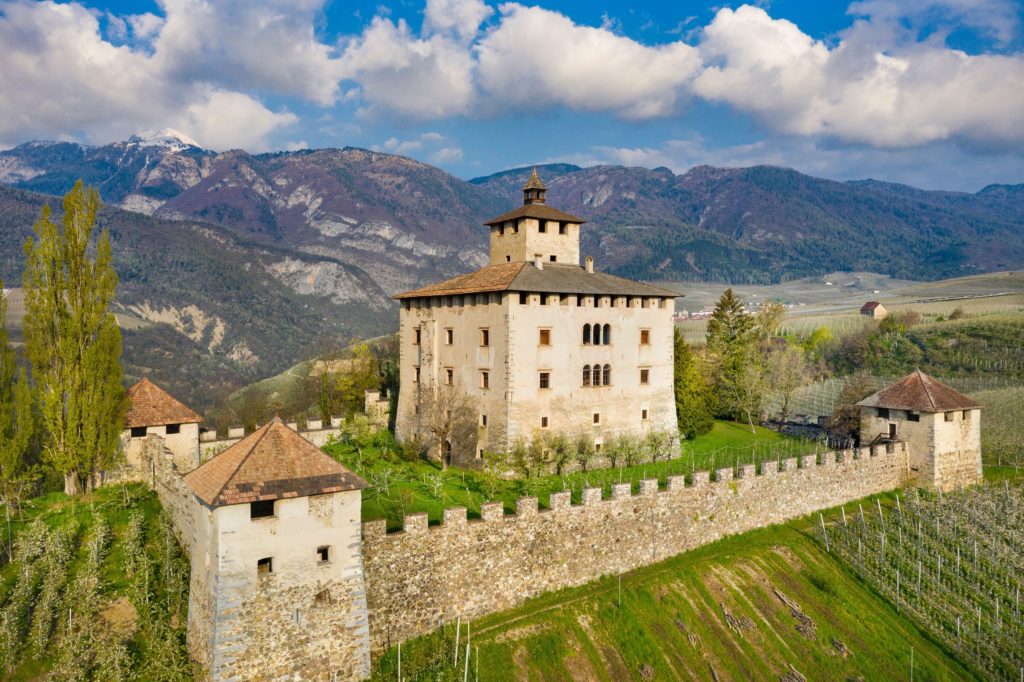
(421, 576)
(314, 433)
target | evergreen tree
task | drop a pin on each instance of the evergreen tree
(73, 341)
(732, 348)
(730, 327)
(691, 389)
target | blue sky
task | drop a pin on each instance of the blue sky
(926, 92)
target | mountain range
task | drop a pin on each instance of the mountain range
(313, 241)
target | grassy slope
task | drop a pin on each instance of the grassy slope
(402, 487)
(672, 624)
(130, 623)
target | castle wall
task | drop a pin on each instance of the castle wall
(318, 437)
(421, 577)
(183, 444)
(306, 619)
(524, 242)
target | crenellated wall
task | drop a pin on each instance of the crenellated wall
(423, 576)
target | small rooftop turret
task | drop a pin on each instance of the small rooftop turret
(534, 189)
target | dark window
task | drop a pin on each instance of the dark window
(543, 299)
(449, 336)
(173, 429)
(913, 417)
(485, 337)
(597, 447)
(645, 337)
(597, 417)
(524, 298)
(554, 259)
(545, 337)
(967, 414)
(607, 375)
(323, 554)
(545, 379)
(892, 431)
(449, 376)
(643, 415)
(950, 416)
(483, 420)
(543, 422)
(645, 375)
(607, 335)
(508, 259)
(265, 565)
(138, 432)
(415, 337)
(485, 380)
(261, 509)
(586, 333)
(415, 375)
(883, 413)
(586, 375)
(562, 228)
(542, 226)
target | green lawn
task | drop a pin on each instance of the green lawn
(402, 487)
(715, 613)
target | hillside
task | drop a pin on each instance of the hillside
(716, 613)
(195, 295)
(406, 223)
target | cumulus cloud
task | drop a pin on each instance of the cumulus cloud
(460, 17)
(536, 58)
(908, 93)
(430, 145)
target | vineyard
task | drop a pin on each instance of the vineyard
(953, 563)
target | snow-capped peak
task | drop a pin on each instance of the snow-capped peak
(168, 137)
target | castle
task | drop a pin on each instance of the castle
(288, 583)
(533, 344)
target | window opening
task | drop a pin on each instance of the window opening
(323, 554)
(545, 379)
(261, 509)
(265, 565)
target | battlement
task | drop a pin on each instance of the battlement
(509, 557)
(211, 442)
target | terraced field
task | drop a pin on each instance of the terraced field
(765, 605)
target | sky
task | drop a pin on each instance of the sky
(924, 92)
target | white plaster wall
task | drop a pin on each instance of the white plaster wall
(184, 445)
(529, 241)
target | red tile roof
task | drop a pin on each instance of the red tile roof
(150, 405)
(272, 463)
(869, 306)
(542, 211)
(920, 393)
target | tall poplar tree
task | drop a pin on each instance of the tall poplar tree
(73, 341)
(17, 426)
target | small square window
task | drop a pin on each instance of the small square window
(597, 417)
(265, 565)
(966, 414)
(138, 432)
(449, 376)
(485, 379)
(883, 413)
(485, 337)
(261, 509)
(323, 554)
(524, 298)
(553, 259)
(645, 337)
(543, 226)
(562, 228)
(416, 337)
(508, 259)
(543, 422)
(913, 417)
(173, 429)
(449, 336)
(643, 415)
(545, 379)
(545, 337)
(950, 416)
(597, 447)
(645, 376)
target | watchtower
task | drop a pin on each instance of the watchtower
(941, 427)
(153, 411)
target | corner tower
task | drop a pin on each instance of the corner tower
(535, 231)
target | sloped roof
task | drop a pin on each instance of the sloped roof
(272, 463)
(869, 306)
(542, 211)
(555, 278)
(150, 405)
(921, 393)
(534, 182)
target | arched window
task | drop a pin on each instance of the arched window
(607, 334)
(586, 375)
(607, 375)
(586, 335)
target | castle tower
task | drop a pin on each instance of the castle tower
(533, 345)
(153, 411)
(277, 587)
(941, 427)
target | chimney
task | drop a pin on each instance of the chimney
(589, 260)
(538, 261)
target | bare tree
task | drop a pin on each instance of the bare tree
(449, 419)
(786, 370)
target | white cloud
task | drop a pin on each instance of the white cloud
(145, 26)
(429, 143)
(459, 17)
(857, 92)
(536, 58)
(446, 155)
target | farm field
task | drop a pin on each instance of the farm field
(770, 604)
(403, 487)
(953, 563)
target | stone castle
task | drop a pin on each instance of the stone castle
(534, 343)
(287, 582)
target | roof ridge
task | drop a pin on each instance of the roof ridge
(923, 378)
(248, 454)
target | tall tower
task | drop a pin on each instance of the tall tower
(535, 231)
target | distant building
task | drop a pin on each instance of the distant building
(277, 589)
(153, 411)
(538, 343)
(874, 310)
(941, 426)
